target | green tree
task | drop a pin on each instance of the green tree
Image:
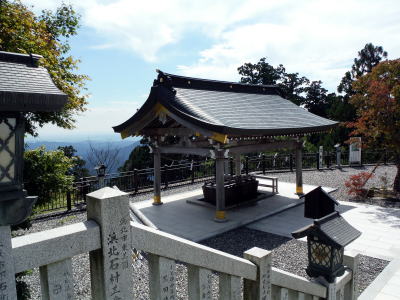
(377, 100)
(78, 170)
(46, 172)
(368, 57)
(139, 158)
(48, 35)
(291, 85)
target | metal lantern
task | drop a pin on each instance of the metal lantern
(101, 170)
(318, 203)
(326, 239)
(24, 87)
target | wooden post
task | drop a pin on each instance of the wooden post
(111, 265)
(7, 273)
(157, 176)
(231, 169)
(263, 164)
(237, 165)
(166, 176)
(328, 159)
(385, 157)
(136, 180)
(299, 168)
(291, 162)
(192, 171)
(69, 204)
(261, 288)
(220, 189)
(247, 165)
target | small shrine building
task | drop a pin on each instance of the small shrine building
(219, 119)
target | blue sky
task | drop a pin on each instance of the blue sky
(122, 42)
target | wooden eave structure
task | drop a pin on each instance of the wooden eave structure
(240, 117)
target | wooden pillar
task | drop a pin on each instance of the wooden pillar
(237, 165)
(299, 168)
(157, 176)
(220, 190)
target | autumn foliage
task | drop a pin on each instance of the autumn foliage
(356, 183)
(377, 100)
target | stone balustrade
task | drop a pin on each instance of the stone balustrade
(109, 236)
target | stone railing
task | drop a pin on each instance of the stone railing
(109, 236)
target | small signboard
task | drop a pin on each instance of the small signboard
(355, 151)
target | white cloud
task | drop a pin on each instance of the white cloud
(318, 39)
(96, 122)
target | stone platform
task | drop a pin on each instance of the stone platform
(195, 222)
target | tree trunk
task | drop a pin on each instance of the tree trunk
(396, 184)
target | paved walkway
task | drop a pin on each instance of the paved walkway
(380, 238)
(380, 227)
(195, 222)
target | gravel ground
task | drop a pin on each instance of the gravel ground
(289, 255)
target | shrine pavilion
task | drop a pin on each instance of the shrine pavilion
(219, 119)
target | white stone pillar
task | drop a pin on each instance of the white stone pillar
(261, 288)
(7, 274)
(199, 283)
(230, 287)
(56, 281)
(111, 266)
(162, 277)
(351, 260)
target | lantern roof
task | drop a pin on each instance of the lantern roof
(318, 203)
(26, 86)
(333, 228)
(220, 107)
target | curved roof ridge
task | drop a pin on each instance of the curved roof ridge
(216, 85)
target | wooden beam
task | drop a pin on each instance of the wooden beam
(261, 147)
(185, 150)
(167, 131)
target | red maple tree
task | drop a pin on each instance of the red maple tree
(377, 100)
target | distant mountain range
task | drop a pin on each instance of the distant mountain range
(82, 149)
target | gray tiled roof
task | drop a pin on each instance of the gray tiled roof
(25, 86)
(229, 108)
(245, 111)
(339, 230)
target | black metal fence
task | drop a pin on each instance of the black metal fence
(141, 181)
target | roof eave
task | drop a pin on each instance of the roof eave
(33, 102)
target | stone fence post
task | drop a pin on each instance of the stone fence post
(261, 288)
(111, 266)
(7, 274)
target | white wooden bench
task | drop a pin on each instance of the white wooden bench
(273, 185)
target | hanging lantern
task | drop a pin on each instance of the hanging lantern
(24, 87)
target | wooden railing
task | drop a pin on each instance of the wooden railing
(109, 237)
